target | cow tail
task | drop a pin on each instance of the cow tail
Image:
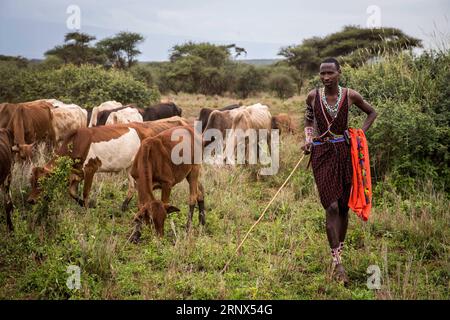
(146, 171)
(51, 133)
(17, 127)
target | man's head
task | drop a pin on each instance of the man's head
(329, 72)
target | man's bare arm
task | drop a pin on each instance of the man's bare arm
(362, 104)
(309, 122)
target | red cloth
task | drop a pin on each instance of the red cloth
(361, 194)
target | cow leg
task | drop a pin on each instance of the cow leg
(192, 178)
(201, 204)
(89, 172)
(7, 202)
(165, 192)
(73, 188)
(131, 190)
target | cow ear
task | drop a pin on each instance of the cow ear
(169, 208)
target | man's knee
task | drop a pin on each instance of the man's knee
(333, 208)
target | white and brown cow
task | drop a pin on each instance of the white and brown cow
(255, 117)
(108, 105)
(124, 116)
(101, 149)
(66, 119)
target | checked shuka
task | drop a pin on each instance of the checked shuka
(331, 162)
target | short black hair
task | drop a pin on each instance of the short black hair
(332, 60)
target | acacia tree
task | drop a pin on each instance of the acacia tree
(200, 67)
(121, 50)
(353, 45)
(77, 50)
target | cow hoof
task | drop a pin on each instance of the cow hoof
(92, 204)
(124, 207)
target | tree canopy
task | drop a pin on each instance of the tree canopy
(77, 50)
(353, 45)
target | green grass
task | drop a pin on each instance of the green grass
(285, 257)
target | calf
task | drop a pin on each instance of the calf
(154, 168)
(6, 141)
(101, 149)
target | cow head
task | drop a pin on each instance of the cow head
(154, 211)
(25, 151)
(36, 174)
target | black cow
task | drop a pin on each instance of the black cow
(161, 111)
(205, 112)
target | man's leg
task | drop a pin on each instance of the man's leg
(343, 225)
(334, 228)
(333, 221)
(343, 216)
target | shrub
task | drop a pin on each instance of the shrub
(249, 80)
(53, 187)
(411, 95)
(282, 85)
(86, 85)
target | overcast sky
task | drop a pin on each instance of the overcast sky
(29, 28)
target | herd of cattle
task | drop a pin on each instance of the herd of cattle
(112, 138)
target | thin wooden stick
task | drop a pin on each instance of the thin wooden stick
(262, 215)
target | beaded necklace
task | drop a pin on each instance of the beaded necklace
(332, 110)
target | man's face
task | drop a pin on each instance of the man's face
(329, 74)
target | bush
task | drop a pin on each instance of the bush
(282, 85)
(54, 187)
(249, 80)
(411, 95)
(86, 85)
(143, 74)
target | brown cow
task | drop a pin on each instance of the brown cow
(31, 122)
(153, 168)
(282, 122)
(103, 149)
(6, 112)
(6, 141)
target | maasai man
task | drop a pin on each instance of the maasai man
(326, 122)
